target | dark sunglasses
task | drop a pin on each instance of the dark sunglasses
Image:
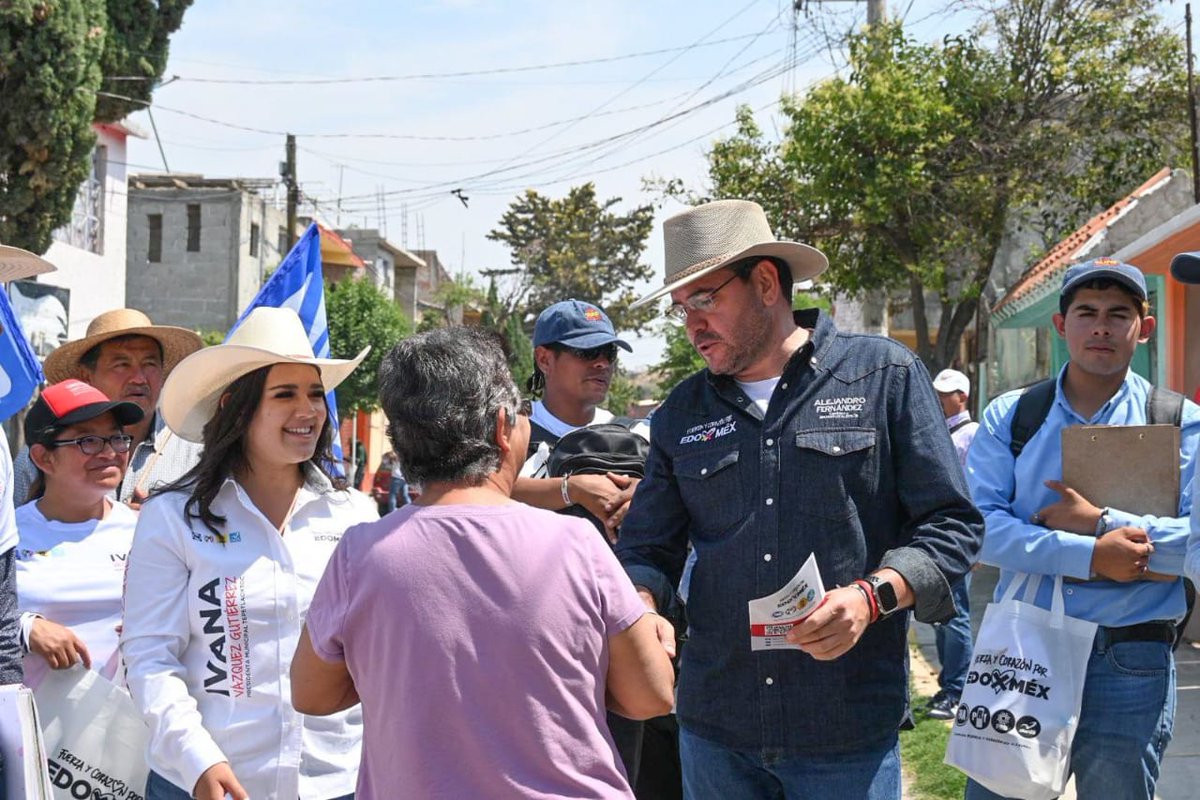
(606, 351)
(92, 445)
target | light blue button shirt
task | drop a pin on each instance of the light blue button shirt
(1009, 493)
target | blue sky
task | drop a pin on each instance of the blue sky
(709, 49)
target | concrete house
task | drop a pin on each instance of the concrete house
(200, 247)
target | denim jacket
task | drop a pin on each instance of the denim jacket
(852, 462)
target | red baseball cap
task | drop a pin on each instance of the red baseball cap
(71, 401)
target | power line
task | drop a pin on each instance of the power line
(436, 75)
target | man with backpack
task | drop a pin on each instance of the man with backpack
(1037, 524)
(575, 358)
(573, 439)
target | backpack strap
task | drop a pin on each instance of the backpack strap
(625, 422)
(1033, 407)
(1164, 407)
(959, 425)
(537, 435)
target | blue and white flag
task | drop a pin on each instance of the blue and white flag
(298, 284)
(20, 371)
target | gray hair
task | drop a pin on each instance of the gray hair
(441, 392)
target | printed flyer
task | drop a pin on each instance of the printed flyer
(771, 617)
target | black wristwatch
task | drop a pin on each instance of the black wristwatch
(885, 596)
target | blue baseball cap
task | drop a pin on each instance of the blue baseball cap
(1127, 275)
(576, 324)
(1185, 267)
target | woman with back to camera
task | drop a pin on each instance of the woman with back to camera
(223, 566)
(484, 637)
(74, 537)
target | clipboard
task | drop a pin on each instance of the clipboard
(1131, 467)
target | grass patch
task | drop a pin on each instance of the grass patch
(922, 750)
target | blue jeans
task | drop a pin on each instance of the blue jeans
(1126, 722)
(397, 490)
(953, 640)
(159, 788)
(714, 772)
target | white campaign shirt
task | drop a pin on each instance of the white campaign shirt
(71, 573)
(211, 624)
(8, 525)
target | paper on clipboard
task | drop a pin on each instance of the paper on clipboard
(771, 617)
(1134, 468)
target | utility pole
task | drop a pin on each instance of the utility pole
(293, 190)
(876, 11)
(1192, 107)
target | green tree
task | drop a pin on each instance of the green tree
(136, 46)
(359, 315)
(909, 171)
(49, 74)
(575, 247)
(53, 54)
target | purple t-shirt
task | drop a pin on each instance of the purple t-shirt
(477, 637)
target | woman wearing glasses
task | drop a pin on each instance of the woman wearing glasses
(73, 536)
(224, 565)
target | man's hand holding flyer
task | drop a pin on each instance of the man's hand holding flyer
(771, 617)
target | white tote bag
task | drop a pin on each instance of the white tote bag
(95, 737)
(1020, 708)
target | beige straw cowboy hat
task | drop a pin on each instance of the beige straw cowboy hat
(714, 235)
(267, 336)
(16, 264)
(176, 343)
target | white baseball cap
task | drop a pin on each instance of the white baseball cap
(951, 380)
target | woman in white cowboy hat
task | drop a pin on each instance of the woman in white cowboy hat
(223, 566)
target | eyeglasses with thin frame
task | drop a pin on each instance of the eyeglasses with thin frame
(700, 301)
(607, 351)
(92, 445)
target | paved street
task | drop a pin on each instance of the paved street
(1181, 771)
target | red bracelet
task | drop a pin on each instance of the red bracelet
(865, 588)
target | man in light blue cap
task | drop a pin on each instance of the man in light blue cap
(1125, 564)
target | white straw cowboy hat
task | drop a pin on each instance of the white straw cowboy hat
(176, 343)
(267, 336)
(16, 264)
(714, 235)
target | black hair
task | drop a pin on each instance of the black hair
(91, 358)
(46, 435)
(224, 452)
(743, 267)
(1099, 285)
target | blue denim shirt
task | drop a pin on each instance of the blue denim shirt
(1009, 491)
(852, 462)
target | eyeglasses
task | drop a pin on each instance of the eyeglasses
(701, 301)
(92, 445)
(606, 351)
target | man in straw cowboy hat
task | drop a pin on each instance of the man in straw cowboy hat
(796, 440)
(15, 264)
(127, 357)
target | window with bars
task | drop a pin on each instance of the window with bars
(193, 227)
(154, 251)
